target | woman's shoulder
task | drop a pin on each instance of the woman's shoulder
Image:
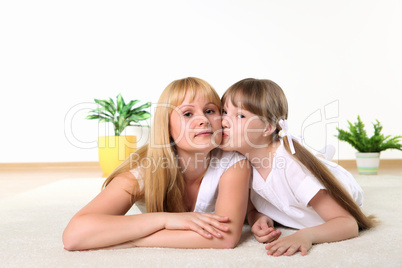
(137, 174)
(226, 156)
(125, 180)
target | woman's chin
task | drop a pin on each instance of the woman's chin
(205, 146)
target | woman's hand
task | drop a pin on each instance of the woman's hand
(289, 245)
(264, 231)
(205, 224)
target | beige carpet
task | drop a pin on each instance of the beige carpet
(31, 225)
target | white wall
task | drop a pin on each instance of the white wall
(55, 56)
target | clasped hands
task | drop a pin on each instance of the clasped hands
(211, 225)
(205, 224)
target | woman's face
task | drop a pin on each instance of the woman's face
(242, 130)
(196, 126)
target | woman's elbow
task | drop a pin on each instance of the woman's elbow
(229, 244)
(72, 236)
(69, 241)
(230, 241)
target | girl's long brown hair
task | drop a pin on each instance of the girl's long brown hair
(267, 100)
(163, 181)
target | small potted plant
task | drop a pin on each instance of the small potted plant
(113, 150)
(368, 155)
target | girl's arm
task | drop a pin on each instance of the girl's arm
(339, 225)
(262, 226)
(102, 223)
(231, 202)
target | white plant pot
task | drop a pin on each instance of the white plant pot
(367, 163)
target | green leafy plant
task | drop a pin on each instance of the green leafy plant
(120, 114)
(357, 137)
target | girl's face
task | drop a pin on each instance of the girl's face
(242, 130)
(196, 126)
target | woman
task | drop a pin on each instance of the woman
(180, 177)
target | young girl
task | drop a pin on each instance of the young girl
(179, 178)
(290, 185)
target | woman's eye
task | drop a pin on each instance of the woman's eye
(240, 116)
(188, 114)
(224, 112)
(209, 111)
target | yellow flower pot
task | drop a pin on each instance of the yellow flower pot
(113, 150)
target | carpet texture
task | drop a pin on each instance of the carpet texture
(31, 226)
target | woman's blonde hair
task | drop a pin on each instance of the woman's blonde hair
(163, 181)
(267, 100)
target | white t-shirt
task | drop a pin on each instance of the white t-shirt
(208, 192)
(285, 194)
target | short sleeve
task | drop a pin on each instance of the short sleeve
(236, 158)
(308, 188)
(138, 173)
(232, 159)
(220, 162)
(303, 184)
(223, 160)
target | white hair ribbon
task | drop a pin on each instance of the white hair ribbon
(285, 132)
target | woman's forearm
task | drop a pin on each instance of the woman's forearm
(185, 239)
(96, 230)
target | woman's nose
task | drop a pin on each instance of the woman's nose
(202, 120)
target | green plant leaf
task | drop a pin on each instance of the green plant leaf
(357, 137)
(107, 105)
(93, 116)
(111, 107)
(146, 105)
(102, 111)
(128, 107)
(120, 114)
(104, 120)
(139, 117)
(102, 103)
(120, 103)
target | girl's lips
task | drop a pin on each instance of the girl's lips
(224, 135)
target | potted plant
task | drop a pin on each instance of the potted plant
(113, 150)
(369, 149)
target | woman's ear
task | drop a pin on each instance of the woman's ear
(269, 130)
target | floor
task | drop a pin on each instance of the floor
(17, 180)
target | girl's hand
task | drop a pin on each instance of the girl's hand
(264, 231)
(205, 224)
(289, 245)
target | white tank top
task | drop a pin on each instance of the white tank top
(208, 193)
